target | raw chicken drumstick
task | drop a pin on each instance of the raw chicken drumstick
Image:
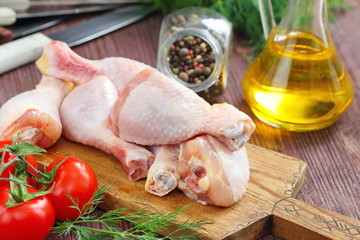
(162, 176)
(35, 114)
(59, 60)
(210, 173)
(147, 98)
(85, 117)
(154, 110)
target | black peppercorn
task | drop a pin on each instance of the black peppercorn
(189, 56)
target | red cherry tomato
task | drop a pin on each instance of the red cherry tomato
(11, 169)
(32, 220)
(75, 178)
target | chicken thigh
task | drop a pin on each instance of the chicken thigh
(85, 117)
(34, 114)
(210, 173)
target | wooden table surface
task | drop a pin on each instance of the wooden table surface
(332, 154)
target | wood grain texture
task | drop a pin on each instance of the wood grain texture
(293, 219)
(273, 177)
(332, 154)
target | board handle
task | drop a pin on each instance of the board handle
(293, 219)
(22, 51)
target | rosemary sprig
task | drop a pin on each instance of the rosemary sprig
(146, 226)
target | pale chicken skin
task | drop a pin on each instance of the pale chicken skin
(210, 173)
(151, 109)
(147, 98)
(85, 117)
(150, 98)
(60, 61)
(34, 114)
(163, 176)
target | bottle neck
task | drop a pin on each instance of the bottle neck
(306, 16)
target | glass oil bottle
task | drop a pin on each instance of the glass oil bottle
(298, 82)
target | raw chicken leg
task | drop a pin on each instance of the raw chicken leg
(35, 114)
(162, 176)
(210, 173)
(84, 114)
(155, 110)
(60, 61)
(148, 98)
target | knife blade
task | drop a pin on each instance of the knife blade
(31, 22)
(24, 28)
(62, 12)
(28, 49)
(23, 5)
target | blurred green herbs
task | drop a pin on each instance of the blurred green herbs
(244, 14)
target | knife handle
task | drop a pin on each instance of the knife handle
(7, 16)
(22, 51)
(5, 35)
(17, 5)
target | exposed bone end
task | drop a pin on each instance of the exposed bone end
(139, 166)
(161, 183)
(204, 184)
(234, 144)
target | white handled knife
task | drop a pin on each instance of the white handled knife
(27, 49)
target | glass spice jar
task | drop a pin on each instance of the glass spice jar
(194, 50)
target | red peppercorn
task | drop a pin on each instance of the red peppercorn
(200, 65)
(193, 42)
(194, 64)
(191, 53)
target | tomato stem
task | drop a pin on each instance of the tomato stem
(10, 179)
(20, 194)
(32, 167)
(47, 177)
(3, 165)
(4, 150)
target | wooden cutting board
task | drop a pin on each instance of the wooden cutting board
(268, 206)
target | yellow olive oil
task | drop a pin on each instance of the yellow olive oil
(298, 83)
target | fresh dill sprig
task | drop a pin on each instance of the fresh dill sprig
(146, 226)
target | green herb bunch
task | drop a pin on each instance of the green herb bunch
(145, 225)
(244, 14)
